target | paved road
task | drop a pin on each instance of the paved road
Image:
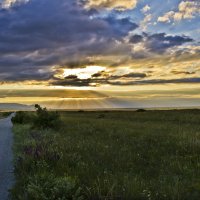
(6, 157)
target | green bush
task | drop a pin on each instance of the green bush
(45, 119)
(141, 110)
(22, 117)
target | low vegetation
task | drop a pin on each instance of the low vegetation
(41, 119)
(152, 155)
(4, 114)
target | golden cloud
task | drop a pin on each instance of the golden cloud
(9, 3)
(112, 4)
(186, 10)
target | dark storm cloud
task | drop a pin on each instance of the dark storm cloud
(43, 33)
(26, 75)
(136, 39)
(160, 42)
(97, 75)
(124, 25)
(107, 75)
(156, 81)
(182, 72)
(72, 80)
(103, 78)
(40, 34)
(135, 75)
(180, 80)
(100, 78)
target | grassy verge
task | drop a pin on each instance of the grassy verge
(112, 155)
(4, 114)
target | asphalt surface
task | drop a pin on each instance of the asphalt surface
(6, 158)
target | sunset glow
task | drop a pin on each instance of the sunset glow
(100, 46)
(83, 73)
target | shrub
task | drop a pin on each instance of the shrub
(45, 119)
(141, 110)
(22, 117)
(42, 120)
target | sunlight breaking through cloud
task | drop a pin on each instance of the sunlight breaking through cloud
(112, 4)
(9, 3)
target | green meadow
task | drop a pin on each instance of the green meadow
(111, 155)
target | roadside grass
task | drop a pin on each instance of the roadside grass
(4, 114)
(151, 155)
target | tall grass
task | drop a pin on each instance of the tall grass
(113, 155)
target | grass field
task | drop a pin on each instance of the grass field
(151, 155)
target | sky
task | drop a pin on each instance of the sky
(129, 53)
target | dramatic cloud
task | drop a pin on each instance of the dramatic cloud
(181, 80)
(159, 42)
(124, 23)
(73, 80)
(91, 43)
(112, 4)
(126, 79)
(100, 78)
(136, 39)
(9, 3)
(186, 10)
(34, 35)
